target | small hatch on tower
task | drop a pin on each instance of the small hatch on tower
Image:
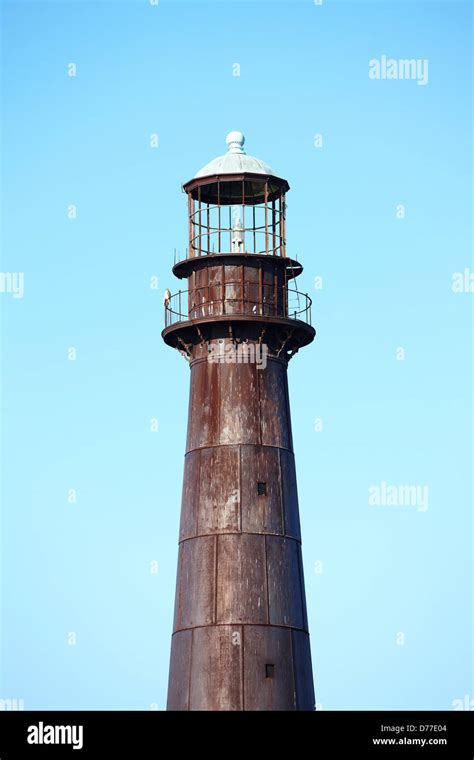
(269, 670)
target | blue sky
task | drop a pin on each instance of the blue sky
(372, 572)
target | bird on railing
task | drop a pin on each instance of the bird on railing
(167, 298)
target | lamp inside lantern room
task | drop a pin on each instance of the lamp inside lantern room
(237, 231)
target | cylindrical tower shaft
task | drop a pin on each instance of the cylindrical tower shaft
(240, 638)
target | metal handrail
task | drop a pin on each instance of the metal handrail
(174, 308)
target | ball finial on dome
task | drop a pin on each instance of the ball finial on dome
(235, 141)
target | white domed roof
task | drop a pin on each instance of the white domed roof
(235, 161)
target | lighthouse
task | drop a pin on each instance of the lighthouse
(240, 633)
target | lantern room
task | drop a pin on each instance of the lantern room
(236, 204)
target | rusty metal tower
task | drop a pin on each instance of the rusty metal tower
(240, 635)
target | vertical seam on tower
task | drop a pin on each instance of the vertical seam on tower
(282, 497)
(242, 629)
(293, 669)
(198, 509)
(190, 669)
(267, 589)
(240, 487)
(215, 580)
(288, 411)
